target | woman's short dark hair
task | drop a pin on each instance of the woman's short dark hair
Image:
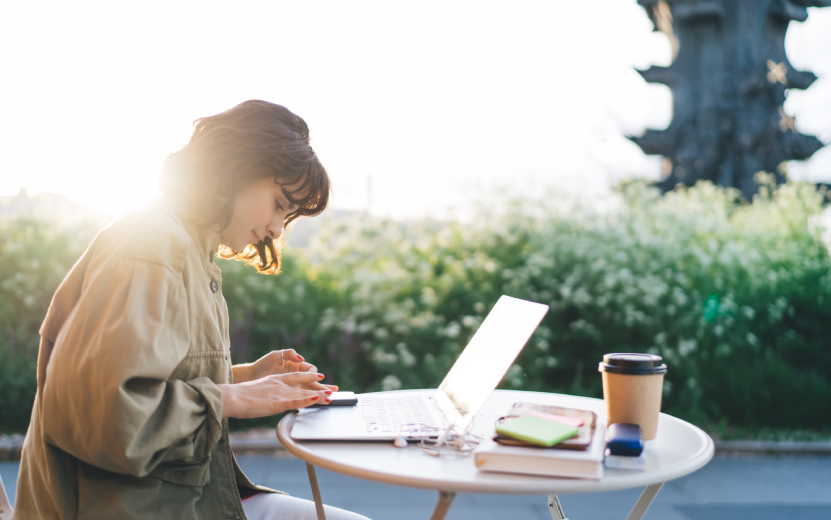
(254, 139)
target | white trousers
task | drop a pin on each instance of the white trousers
(273, 506)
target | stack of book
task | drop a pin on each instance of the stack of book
(550, 441)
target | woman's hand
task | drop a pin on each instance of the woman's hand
(274, 394)
(275, 362)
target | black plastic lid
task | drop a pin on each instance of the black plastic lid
(631, 363)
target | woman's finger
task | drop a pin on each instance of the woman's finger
(303, 402)
(271, 363)
(333, 388)
(299, 378)
(317, 387)
(274, 357)
(302, 367)
(291, 366)
(290, 355)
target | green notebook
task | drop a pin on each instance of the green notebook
(536, 430)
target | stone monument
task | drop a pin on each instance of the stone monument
(729, 77)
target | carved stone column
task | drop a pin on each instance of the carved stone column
(728, 78)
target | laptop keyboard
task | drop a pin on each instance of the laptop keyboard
(385, 415)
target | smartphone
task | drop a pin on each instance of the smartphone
(339, 399)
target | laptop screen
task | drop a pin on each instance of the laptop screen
(487, 358)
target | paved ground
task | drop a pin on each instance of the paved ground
(744, 488)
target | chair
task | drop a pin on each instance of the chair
(5, 507)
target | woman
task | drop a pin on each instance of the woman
(135, 381)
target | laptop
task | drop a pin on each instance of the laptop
(480, 367)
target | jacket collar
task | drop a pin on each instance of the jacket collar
(205, 239)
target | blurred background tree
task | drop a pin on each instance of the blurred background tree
(729, 79)
(42, 237)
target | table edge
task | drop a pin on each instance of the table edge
(696, 462)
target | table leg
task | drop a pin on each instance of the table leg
(555, 508)
(644, 501)
(445, 499)
(321, 515)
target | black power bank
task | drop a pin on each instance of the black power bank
(624, 439)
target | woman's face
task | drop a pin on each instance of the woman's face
(260, 208)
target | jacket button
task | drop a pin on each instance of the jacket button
(214, 286)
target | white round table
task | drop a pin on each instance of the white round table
(679, 449)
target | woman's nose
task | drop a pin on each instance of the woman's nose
(274, 230)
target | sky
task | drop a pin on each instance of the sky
(413, 106)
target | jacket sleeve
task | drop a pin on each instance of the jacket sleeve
(109, 398)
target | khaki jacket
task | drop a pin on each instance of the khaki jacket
(127, 418)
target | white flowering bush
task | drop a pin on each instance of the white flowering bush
(736, 297)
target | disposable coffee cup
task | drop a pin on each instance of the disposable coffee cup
(632, 388)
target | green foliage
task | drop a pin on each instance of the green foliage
(35, 256)
(735, 296)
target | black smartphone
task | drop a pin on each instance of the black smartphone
(339, 399)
